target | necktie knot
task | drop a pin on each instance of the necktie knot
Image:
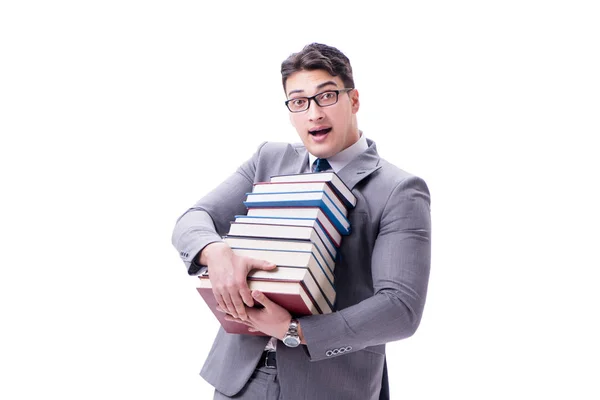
(321, 164)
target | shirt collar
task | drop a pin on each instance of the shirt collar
(341, 159)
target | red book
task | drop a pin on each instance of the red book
(293, 295)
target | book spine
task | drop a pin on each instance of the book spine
(336, 216)
(329, 301)
(312, 298)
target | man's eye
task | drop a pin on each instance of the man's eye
(326, 96)
(298, 102)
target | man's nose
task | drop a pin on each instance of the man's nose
(315, 112)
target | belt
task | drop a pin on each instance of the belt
(268, 359)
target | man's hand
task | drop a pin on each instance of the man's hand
(228, 273)
(272, 319)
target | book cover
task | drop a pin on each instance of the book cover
(292, 295)
(323, 228)
(319, 199)
(300, 187)
(337, 185)
(296, 212)
(283, 232)
(281, 245)
(294, 266)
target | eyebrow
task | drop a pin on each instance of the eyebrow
(319, 86)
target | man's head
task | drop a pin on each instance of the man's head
(327, 126)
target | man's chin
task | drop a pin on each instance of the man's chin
(319, 150)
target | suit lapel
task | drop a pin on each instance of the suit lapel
(295, 160)
(361, 167)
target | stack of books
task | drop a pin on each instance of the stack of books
(296, 222)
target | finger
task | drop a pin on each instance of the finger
(253, 263)
(240, 308)
(220, 310)
(231, 319)
(229, 307)
(247, 296)
(220, 302)
(262, 299)
(239, 321)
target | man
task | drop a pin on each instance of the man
(381, 273)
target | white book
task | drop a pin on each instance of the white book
(297, 265)
(344, 193)
(296, 213)
(323, 227)
(281, 245)
(336, 183)
(282, 232)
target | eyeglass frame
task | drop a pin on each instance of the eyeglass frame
(314, 98)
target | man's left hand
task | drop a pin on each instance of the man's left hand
(272, 319)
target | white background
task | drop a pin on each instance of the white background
(116, 116)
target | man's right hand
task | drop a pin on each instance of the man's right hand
(228, 273)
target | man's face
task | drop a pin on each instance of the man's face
(325, 131)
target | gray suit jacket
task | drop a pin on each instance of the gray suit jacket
(381, 279)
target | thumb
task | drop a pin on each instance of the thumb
(262, 298)
(260, 264)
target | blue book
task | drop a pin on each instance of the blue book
(331, 206)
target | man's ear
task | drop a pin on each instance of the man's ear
(354, 100)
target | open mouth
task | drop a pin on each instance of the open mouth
(320, 132)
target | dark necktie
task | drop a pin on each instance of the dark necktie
(321, 164)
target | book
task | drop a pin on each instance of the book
(236, 242)
(293, 295)
(344, 193)
(299, 187)
(307, 213)
(330, 232)
(283, 232)
(321, 199)
(295, 266)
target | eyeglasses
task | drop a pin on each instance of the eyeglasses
(323, 99)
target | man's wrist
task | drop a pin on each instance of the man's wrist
(210, 251)
(298, 330)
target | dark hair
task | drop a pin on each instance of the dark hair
(319, 56)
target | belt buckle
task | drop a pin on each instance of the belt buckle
(266, 360)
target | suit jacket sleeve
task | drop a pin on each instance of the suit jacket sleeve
(209, 219)
(400, 265)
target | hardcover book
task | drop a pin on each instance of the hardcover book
(332, 207)
(292, 295)
(323, 227)
(238, 242)
(284, 232)
(296, 222)
(344, 193)
(294, 265)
